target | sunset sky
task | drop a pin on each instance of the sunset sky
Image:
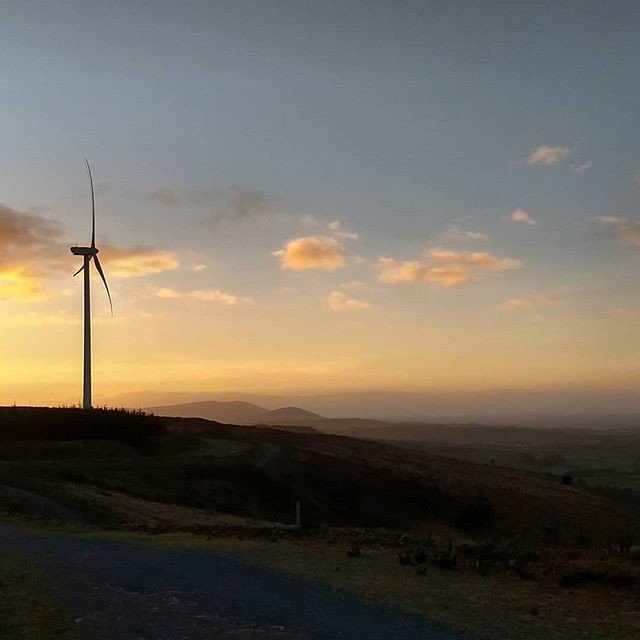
(321, 196)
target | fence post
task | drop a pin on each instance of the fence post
(298, 514)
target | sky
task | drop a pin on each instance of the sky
(322, 197)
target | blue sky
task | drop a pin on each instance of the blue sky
(402, 121)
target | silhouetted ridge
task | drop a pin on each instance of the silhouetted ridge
(235, 412)
(58, 424)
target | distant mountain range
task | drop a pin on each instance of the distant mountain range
(444, 430)
(297, 419)
(243, 413)
(597, 408)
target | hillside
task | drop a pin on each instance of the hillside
(286, 415)
(259, 473)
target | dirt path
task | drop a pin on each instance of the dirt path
(40, 504)
(123, 591)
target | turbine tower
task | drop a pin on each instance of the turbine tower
(88, 254)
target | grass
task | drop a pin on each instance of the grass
(26, 613)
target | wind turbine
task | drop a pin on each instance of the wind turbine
(88, 254)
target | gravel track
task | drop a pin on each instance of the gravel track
(126, 591)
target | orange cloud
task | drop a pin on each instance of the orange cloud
(456, 270)
(312, 252)
(215, 295)
(19, 283)
(546, 156)
(614, 220)
(339, 301)
(391, 271)
(137, 262)
(479, 259)
(168, 294)
(626, 231)
(30, 250)
(205, 295)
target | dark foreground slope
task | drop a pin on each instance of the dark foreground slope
(258, 473)
(470, 545)
(53, 424)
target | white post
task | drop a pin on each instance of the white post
(298, 515)
(86, 385)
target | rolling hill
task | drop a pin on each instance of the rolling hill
(191, 469)
(243, 413)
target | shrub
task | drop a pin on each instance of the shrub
(581, 575)
(474, 516)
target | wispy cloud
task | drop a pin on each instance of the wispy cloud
(626, 312)
(233, 204)
(442, 267)
(546, 156)
(480, 259)
(626, 231)
(613, 220)
(168, 294)
(340, 301)
(137, 262)
(458, 233)
(338, 231)
(312, 252)
(530, 302)
(583, 167)
(520, 215)
(393, 271)
(204, 295)
(353, 285)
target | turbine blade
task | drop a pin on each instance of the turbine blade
(78, 271)
(106, 286)
(93, 207)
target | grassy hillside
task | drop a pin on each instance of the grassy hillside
(259, 474)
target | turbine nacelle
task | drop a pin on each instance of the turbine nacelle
(84, 251)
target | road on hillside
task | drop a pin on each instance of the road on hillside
(125, 591)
